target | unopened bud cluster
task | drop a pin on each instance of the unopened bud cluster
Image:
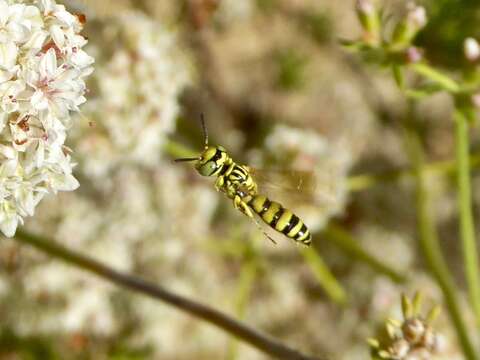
(390, 46)
(411, 339)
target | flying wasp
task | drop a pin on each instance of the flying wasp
(237, 182)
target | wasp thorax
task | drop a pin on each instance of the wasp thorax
(211, 161)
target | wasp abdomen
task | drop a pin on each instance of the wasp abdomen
(280, 219)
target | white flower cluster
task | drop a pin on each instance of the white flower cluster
(136, 215)
(149, 221)
(42, 70)
(138, 88)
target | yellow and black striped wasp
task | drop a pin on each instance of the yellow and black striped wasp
(237, 182)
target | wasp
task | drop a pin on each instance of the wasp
(237, 182)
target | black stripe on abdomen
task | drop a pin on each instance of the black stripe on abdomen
(280, 219)
(266, 206)
(301, 232)
(277, 216)
(291, 224)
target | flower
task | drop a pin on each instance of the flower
(410, 339)
(138, 84)
(42, 71)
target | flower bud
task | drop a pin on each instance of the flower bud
(416, 16)
(408, 28)
(413, 330)
(369, 17)
(414, 54)
(365, 7)
(471, 49)
(476, 100)
(429, 338)
(400, 348)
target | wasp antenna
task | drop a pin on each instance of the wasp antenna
(204, 128)
(186, 159)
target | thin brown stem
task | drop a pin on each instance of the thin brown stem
(243, 332)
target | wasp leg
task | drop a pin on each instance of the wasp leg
(241, 205)
(220, 182)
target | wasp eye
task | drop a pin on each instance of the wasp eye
(212, 166)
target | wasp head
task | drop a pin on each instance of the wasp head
(211, 160)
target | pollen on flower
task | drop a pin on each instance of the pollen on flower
(42, 76)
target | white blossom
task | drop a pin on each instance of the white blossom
(42, 71)
(138, 89)
(471, 49)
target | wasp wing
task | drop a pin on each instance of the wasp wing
(296, 187)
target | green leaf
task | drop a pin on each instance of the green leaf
(399, 76)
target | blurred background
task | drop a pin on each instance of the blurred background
(278, 92)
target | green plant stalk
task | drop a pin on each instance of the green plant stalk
(435, 76)
(255, 338)
(467, 227)
(244, 289)
(438, 168)
(324, 276)
(350, 245)
(430, 245)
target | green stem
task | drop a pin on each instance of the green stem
(366, 181)
(244, 290)
(437, 77)
(467, 227)
(324, 276)
(430, 245)
(210, 315)
(344, 240)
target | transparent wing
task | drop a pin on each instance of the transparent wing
(300, 181)
(295, 187)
